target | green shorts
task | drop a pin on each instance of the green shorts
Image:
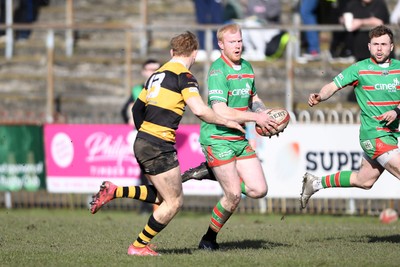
(227, 151)
(378, 146)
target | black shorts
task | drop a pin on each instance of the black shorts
(153, 158)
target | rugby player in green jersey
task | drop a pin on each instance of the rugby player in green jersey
(232, 94)
(376, 84)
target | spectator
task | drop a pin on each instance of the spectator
(259, 43)
(330, 13)
(26, 12)
(233, 10)
(208, 12)
(395, 16)
(148, 68)
(308, 14)
(2, 14)
(366, 13)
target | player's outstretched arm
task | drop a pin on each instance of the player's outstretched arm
(324, 94)
(266, 122)
(205, 113)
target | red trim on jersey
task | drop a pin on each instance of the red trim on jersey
(368, 87)
(373, 60)
(239, 76)
(226, 61)
(382, 103)
(386, 129)
(230, 138)
(370, 72)
(242, 109)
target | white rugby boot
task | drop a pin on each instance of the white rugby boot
(308, 189)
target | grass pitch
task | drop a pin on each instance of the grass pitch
(38, 237)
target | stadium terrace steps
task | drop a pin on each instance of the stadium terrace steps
(90, 85)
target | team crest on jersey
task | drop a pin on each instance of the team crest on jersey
(385, 73)
(215, 72)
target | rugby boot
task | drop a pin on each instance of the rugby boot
(145, 251)
(208, 245)
(105, 194)
(199, 173)
(308, 189)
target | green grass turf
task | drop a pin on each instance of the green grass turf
(38, 237)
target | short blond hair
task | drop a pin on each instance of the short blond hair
(233, 28)
(184, 44)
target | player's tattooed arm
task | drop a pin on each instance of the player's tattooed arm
(257, 106)
(214, 102)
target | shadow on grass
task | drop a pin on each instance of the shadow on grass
(384, 239)
(225, 246)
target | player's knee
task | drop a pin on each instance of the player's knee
(176, 205)
(258, 192)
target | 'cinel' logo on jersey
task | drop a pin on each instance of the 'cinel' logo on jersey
(244, 92)
(240, 92)
(390, 87)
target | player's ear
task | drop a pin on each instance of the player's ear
(221, 45)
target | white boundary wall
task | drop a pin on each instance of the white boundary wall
(321, 149)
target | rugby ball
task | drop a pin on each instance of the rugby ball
(388, 216)
(282, 117)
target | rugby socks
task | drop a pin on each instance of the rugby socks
(219, 217)
(339, 179)
(151, 229)
(146, 193)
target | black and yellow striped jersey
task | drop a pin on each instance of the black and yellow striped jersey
(164, 96)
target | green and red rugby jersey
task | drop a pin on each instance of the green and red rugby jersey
(377, 90)
(234, 85)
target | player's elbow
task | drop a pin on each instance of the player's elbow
(200, 111)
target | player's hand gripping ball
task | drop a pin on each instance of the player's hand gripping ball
(281, 116)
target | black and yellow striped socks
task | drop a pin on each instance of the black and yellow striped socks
(151, 229)
(146, 193)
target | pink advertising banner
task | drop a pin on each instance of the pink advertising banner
(80, 157)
